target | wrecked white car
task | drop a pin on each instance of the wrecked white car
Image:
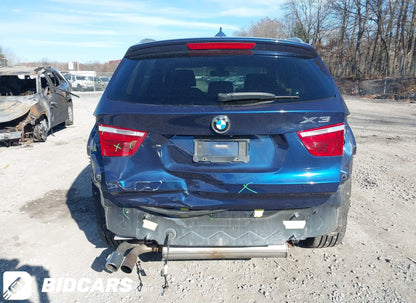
(32, 102)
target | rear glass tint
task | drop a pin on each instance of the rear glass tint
(198, 80)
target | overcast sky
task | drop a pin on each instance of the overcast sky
(91, 30)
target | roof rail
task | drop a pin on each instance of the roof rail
(147, 40)
(295, 39)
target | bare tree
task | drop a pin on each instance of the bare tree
(265, 27)
(358, 39)
(309, 19)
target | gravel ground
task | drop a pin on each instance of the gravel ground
(49, 229)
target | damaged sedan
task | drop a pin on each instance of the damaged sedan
(32, 102)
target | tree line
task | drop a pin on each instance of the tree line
(357, 39)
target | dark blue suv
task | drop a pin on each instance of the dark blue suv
(222, 147)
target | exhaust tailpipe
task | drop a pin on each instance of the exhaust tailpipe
(207, 253)
(130, 261)
(115, 259)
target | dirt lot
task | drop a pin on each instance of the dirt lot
(48, 227)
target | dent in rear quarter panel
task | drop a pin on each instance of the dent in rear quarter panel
(350, 148)
(96, 161)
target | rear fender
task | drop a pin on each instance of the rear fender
(350, 149)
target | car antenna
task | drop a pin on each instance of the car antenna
(220, 33)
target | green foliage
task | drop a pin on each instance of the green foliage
(300, 32)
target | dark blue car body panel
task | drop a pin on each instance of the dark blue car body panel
(162, 178)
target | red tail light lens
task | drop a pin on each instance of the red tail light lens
(119, 142)
(327, 141)
(220, 45)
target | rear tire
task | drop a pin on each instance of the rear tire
(331, 239)
(106, 236)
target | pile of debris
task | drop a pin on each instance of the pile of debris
(388, 88)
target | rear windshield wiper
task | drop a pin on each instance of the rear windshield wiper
(252, 97)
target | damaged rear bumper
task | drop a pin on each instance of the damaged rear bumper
(256, 227)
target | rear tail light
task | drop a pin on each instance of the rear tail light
(119, 142)
(327, 141)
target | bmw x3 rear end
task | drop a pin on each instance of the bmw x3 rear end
(222, 144)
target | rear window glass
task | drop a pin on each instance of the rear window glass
(198, 80)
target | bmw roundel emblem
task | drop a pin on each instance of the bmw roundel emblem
(221, 124)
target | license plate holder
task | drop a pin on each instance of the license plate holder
(221, 151)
